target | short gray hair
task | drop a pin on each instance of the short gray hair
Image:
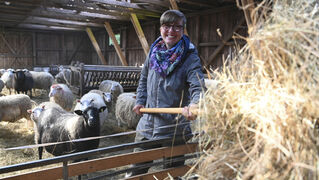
(171, 16)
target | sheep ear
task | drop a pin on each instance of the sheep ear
(102, 109)
(78, 112)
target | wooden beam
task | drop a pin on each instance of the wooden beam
(140, 33)
(108, 163)
(116, 44)
(174, 6)
(162, 174)
(221, 46)
(96, 46)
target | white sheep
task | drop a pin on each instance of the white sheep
(96, 99)
(2, 71)
(15, 107)
(64, 76)
(114, 87)
(7, 78)
(124, 113)
(62, 95)
(42, 80)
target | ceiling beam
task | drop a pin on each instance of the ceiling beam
(140, 33)
(96, 45)
(116, 44)
(60, 21)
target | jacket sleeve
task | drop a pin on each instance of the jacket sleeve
(142, 85)
(195, 79)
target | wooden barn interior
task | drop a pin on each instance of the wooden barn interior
(41, 33)
(110, 36)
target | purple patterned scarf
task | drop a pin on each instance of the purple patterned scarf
(164, 60)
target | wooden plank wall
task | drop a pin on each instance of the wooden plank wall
(32, 48)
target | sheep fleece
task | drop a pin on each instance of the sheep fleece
(14, 107)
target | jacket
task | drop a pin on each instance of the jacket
(178, 89)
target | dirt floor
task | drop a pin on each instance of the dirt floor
(20, 133)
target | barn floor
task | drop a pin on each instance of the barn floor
(20, 133)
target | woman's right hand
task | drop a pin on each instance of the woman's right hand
(137, 108)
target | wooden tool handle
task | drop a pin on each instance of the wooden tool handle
(162, 110)
(165, 110)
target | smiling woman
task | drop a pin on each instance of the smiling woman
(171, 77)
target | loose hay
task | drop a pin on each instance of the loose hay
(262, 116)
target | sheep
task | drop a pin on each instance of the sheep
(114, 87)
(54, 124)
(15, 107)
(1, 85)
(96, 99)
(124, 110)
(64, 76)
(7, 78)
(22, 81)
(42, 80)
(62, 95)
(2, 71)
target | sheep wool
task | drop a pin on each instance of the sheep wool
(14, 107)
(62, 95)
(42, 80)
(124, 111)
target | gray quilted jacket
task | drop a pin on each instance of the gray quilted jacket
(180, 88)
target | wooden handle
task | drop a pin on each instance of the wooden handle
(166, 110)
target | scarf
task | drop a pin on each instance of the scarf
(164, 60)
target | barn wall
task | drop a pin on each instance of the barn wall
(26, 49)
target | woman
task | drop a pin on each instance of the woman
(171, 77)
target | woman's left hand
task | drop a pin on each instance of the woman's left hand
(187, 112)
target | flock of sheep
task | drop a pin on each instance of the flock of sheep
(64, 117)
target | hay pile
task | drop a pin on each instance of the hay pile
(262, 117)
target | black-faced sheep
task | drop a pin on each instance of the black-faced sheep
(23, 82)
(42, 80)
(62, 95)
(124, 113)
(96, 99)
(15, 107)
(7, 78)
(54, 124)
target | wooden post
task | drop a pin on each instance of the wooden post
(116, 44)
(96, 46)
(140, 33)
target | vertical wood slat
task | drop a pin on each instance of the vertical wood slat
(140, 33)
(96, 45)
(221, 46)
(34, 52)
(116, 45)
